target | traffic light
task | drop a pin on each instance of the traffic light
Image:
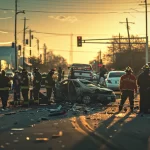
(79, 41)
(32, 37)
(27, 41)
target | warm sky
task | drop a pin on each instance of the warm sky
(86, 18)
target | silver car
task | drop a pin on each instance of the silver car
(112, 80)
(80, 90)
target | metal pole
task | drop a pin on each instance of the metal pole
(113, 52)
(146, 52)
(38, 47)
(24, 42)
(30, 46)
(16, 51)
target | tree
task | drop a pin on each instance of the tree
(118, 55)
(36, 62)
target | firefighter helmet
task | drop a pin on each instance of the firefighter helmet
(24, 71)
(145, 67)
(128, 69)
(36, 69)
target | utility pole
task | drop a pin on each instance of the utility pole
(127, 25)
(146, 23)
(71, 48)
(146, 57)
(113, 52)
(38, 47)
(24, 42)
(100, 57)
(16, 50)
(30, 45)
(45, 48)
(119, 42)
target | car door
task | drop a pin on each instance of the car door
(78, 90)
(64, 86)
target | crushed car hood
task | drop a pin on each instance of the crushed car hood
(101, 89)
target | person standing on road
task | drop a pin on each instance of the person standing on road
(59, 74)
(5, 86)
(102, 73)
(36, 84)
(16, 86)
(25, 86)
(144, 89)
(50, 83)
(128, 86)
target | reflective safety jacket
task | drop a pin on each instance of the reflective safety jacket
(5, 83)
(49, 81)
(37, 80)
(128, 82)
(24, 82)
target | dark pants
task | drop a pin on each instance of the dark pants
(4, 97)
(17, 94)
(144, 100)
(59, 77)
(36, 91)
(127, 94)
(25, 94)
(49, 92)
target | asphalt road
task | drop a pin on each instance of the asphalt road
(101, 129)
(62, 132)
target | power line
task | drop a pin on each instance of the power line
(72, 12)
(83, 2)
(72, 51)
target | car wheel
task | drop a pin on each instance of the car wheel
(86, 99)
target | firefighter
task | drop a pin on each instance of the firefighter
(128, 87)
(59, 74)
(102, 73)
(16, 86)
(50, 83)
(36, 84)
(5, 86)
(144, 89)
(25, 86)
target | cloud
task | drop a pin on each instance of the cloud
(70, 19)
(3, 32)
(5, 18)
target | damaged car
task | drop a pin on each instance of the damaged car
(83, 91)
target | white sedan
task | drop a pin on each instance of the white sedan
(112, 80)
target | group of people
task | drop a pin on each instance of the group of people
(21, 85)
(129, 88)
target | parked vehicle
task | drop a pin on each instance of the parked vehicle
(113, 79)
(82, 71)
(84, 91)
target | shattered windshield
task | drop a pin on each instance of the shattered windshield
(87, 83)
